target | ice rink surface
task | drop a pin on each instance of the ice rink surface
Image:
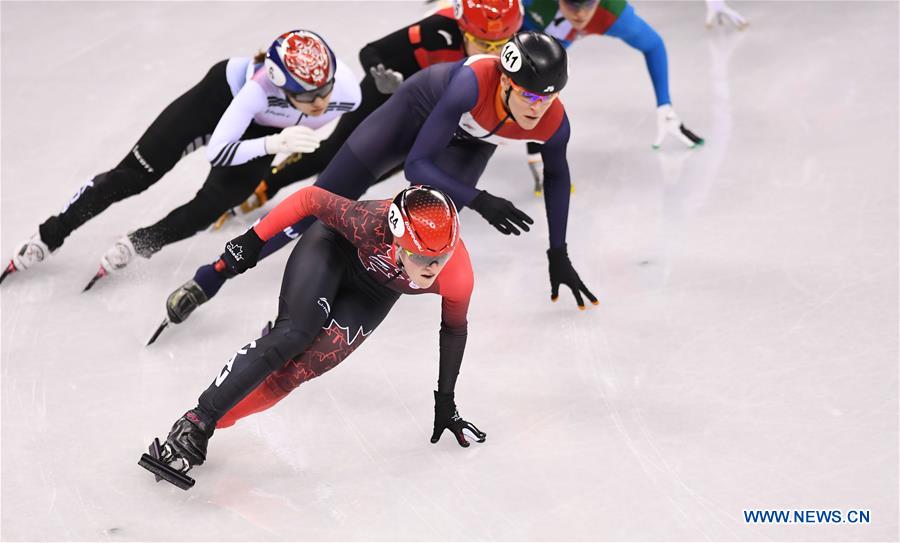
(744, 354)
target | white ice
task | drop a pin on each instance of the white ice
(744, 354)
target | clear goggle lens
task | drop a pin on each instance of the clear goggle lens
(310, 96)
(425, 260)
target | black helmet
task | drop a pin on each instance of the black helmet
(536, 62)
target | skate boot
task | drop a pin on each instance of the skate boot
(536, 165)
(119, 255)
(184, 300)
(188, 297)
(668, 122)
(179, 306)
(27, 254)
(185, 447)
(116, 258)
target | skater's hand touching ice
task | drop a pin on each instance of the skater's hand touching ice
(446, 417)
(562, 273)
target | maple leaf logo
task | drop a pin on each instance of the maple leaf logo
(236, 251)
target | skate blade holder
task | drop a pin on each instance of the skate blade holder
(161, 470)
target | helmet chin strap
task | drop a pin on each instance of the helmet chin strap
(509, 114)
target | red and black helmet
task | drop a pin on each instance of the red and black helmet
(489, 19)
(424, 221)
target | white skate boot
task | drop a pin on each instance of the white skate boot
(668, 122)
(116, 258)
(27, 255)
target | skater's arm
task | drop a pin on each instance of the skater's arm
(350, 218)
(384, 50)
(459, 97)
(637, 33)
(400, 50)
(557, 183)
(225, 146)
(456, 284)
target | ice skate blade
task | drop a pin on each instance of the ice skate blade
(9, 270)
(99, 275)
(159, 330)
(161, 470)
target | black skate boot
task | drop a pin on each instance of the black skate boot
(184, 448)
(180, 304)
(184, 300)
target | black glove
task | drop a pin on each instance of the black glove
(447, 417)
(242, 253)
(188, 438)
(562, 272)
(501, 213)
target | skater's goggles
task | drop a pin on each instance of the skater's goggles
(488, 46)
(309, 97)
(425, 260)
(532, 96)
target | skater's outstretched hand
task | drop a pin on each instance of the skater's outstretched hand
(501, 213)
(387, 81)
(446, 417)
(562, 273)
(242, 253)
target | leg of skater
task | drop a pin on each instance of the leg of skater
(181, 127)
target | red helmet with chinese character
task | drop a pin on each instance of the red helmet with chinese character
(424, 221)
(300, 61)
(491, 20)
